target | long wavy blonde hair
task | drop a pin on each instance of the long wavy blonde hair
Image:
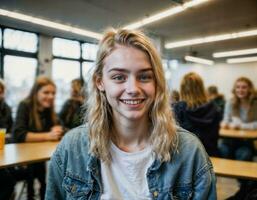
(99, 116)
(252, 98)
(192, 90)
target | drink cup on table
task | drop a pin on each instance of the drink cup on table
(2, 137)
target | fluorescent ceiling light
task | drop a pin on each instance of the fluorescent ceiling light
(242, 60)
(234, 53)
(50, 24)
(164, 14)
(213, 38)
(199, 60)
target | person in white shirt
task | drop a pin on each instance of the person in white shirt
(130, 148)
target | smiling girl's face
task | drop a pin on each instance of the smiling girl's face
(46, 96)
(128, 82)
(242, 89)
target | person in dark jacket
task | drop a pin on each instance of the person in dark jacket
(36, 121)
(71, 112)
(218, 99)
(7, 181)
(5, 110)
(195, 114)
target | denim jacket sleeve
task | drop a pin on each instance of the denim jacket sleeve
(205, 184)
(198, 167)
(54, 188)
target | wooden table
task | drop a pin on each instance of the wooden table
(234, 168)
(26, 153)
(239, 134)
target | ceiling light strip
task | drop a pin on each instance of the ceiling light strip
(213, 38)
(234, 53)
(164, 14)
(199, 60)
(50, 24)
(242, 60)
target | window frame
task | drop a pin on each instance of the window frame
(11, 52)
(80, 59)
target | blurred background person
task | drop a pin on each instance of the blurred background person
(241, 110)
(71, 113)
(217, 98)
(7, 181)
(36, 121)
(174, 96)
(195, 114)
(5, 110)
(240, 113)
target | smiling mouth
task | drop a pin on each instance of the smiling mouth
(132, 102)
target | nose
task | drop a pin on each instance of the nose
(51, 96)
(132, 86)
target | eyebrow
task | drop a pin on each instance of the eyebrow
(127, 71)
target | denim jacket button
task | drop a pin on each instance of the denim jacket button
(73, 189)
(155, 193)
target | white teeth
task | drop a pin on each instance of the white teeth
(132, 102)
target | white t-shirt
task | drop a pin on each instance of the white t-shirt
(125, 177)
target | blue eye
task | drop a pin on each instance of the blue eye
(119, 78)
(145, 77)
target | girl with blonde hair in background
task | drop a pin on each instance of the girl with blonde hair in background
(240, 113)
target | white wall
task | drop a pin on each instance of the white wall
(221, 75)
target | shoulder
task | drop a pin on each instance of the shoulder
(179, 106)
(74, 143)
(189, 160)
(24, 103)
(187, 141)
(75, 137)
(24, 106)
(190, 150)
(72, 154)
(67, 103)
(6, 106)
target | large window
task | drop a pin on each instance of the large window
(19, 75)
(20, 40)
(19, 64)
(63, 73)
(89, 51)
(87, 70)
(66, 48)
(72, 59)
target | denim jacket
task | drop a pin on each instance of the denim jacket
(75, 174)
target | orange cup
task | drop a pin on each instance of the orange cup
(2, 137)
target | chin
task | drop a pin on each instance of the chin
(135, 117)
(48, 106)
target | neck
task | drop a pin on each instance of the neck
(132, 136)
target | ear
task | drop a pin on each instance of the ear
(100, 84)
